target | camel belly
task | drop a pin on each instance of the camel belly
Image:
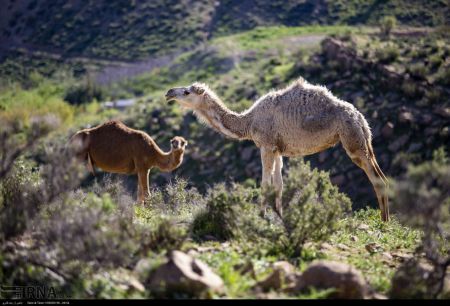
(305, 143)
(111, 163)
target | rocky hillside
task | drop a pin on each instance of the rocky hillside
(137, 29)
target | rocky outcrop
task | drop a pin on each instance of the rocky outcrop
(346, 280)
(183, 275)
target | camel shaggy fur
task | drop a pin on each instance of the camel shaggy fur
(299, 120)
(116, 148)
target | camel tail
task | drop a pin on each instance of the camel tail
(373, 160)
(379, 172)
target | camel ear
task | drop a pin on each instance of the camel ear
(198, 90)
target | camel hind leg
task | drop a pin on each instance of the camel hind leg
(361, 153)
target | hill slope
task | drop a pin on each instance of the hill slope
(136, 29)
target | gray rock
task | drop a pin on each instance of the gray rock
(405, 117)
(416, 146)
(398, 143)
(183, 274)
(388, 130)
(443, 111)
(338, 179)
(348, 282)
(426, 119)
(323, 156)
(247, 153)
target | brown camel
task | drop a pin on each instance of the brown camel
(116, 148)
(299, 120)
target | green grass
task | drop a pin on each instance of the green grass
(355, 233)
(388, 238)
(258, 38)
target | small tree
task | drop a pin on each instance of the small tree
(387, 24)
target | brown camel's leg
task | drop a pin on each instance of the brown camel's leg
(267, 161)
(139, 190)
(143, 184)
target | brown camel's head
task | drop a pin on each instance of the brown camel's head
(192, 97)
(178, 143)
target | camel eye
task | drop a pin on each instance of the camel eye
(186, 92)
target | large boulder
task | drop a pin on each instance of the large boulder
(183, 275)
(348, 282)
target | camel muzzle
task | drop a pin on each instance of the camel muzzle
(170, 99)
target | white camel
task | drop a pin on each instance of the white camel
(299, 120)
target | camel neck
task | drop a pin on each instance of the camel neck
(170, 160)
(225, 121)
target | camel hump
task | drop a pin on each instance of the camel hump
(115, 123)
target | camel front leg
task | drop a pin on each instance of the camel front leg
(267, 161)
(278, 184)
(143, 192)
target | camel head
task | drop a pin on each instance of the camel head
(192, 97)
(178, 143)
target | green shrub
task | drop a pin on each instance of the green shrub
(165, 235)
(409, 88)
(435, 60)
(313, 207)
(84, 93)
(387, 54)
(387, 24)
(224, 208)
(24, 188)
(443, 76)
(422, 199)
(418, 70)
(176, 200)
